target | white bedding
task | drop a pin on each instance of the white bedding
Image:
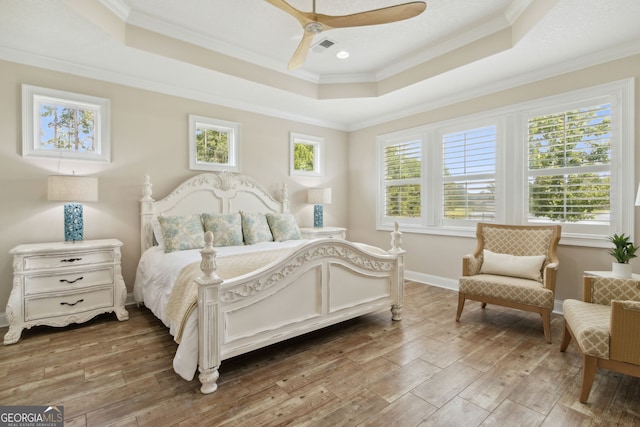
(155, 276)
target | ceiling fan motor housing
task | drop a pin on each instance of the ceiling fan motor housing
(314, 27)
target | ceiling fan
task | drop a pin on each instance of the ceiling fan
(314, 23)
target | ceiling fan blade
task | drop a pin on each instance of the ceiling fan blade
(303, 17)
(300, 54)
(374, 17)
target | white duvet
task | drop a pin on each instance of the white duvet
(155, 277)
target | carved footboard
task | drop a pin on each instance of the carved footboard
(322, 283)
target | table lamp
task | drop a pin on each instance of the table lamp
(318, 196)
(73, 189)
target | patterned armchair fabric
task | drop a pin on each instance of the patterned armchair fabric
(512, 290)
(605, 326)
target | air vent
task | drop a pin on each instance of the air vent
(322, 45)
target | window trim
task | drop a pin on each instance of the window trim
(233, 131)
(34, 98)
(465, 126)
(512, 167)
(382, 221)
(318, 154)
(620, 95)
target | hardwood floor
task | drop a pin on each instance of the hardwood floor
(493, 367)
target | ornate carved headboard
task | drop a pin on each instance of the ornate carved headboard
(222, 192)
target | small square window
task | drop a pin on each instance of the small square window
(306, 156)
(213, 144)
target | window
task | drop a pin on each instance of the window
(402, 183)
(59, 124)
(306, 155)
(566, 159)
(213, 144)
(468, 176)
(569, 161)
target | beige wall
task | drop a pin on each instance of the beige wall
(441, 255)
(148, 136)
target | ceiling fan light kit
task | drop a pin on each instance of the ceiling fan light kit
(315, 23)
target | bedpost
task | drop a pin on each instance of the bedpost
(210, 323)
(284, 196)
(146, 214)
(398, 276)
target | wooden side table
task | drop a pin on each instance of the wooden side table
(57, 284)
(323, 232)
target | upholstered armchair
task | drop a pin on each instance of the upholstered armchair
(605, 326)
(513, 266)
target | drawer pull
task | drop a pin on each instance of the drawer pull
(71, 281)
(71, 260)
(71, 304)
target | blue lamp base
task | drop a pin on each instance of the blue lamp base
(73, 224)
(317, 216)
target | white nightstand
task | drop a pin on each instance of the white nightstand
(57, 284)
(323, 232)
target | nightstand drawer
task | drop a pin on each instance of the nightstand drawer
(68, 280)
(67, 260)
(68, 304)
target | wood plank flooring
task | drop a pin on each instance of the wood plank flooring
(493, 368)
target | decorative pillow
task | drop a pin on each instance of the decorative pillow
(526, 267)
(255, 228)
(181, 232)
(226, 228)
(283, 227)
(157, 231)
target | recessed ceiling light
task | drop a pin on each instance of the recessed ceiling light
(343, 54)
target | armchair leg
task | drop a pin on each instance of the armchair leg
(546, 324)
(566, 338)
(588, 374)
(483, 305)
(461, 300)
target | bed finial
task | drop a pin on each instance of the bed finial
(208, 263)
(146, 189)
(396, 239)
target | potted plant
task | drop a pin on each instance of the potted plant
(623, 251)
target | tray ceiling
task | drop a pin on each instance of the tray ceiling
(235, 53)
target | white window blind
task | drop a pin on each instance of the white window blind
(402, 179)
(565, 159)
(468, 181)
(569, 162)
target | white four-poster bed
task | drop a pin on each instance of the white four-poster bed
(230, 302)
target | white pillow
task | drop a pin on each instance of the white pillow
(526, 267)
(157, 231)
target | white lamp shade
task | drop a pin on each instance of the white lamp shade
(638, 196)
(71, 188)
(319, 196)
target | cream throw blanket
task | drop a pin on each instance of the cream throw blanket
(184, 296)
